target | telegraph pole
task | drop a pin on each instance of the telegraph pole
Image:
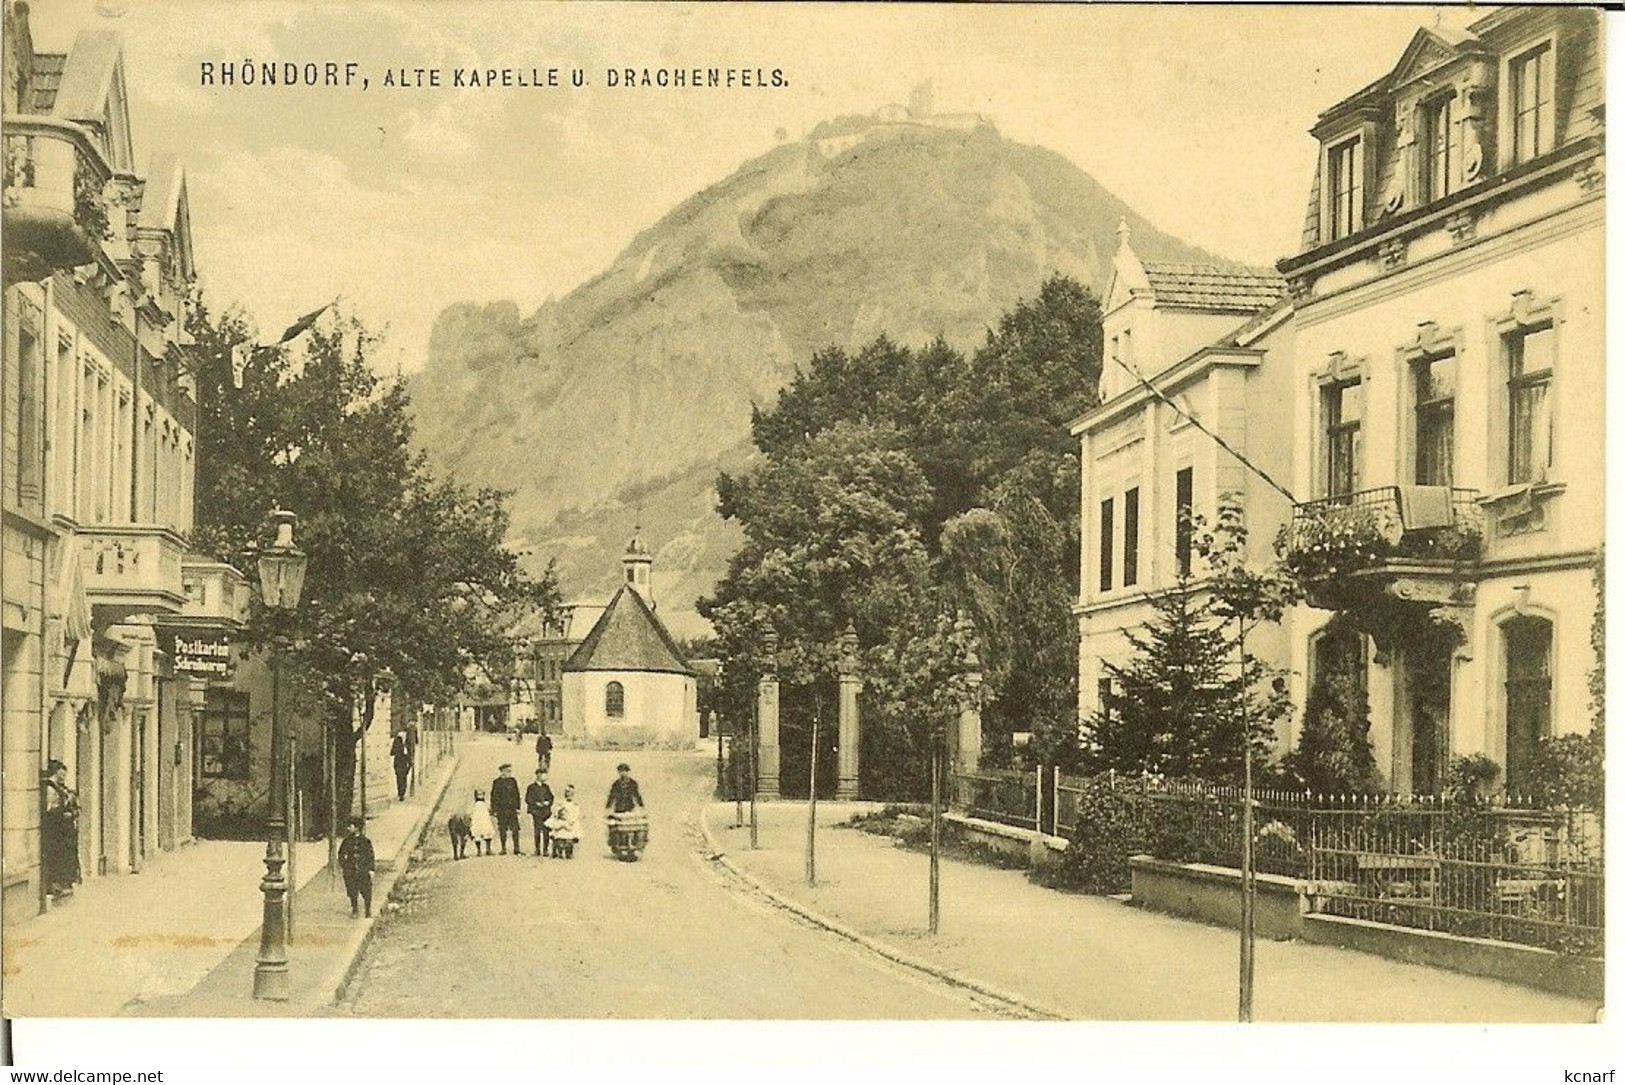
(1248, 889)
(812, 795)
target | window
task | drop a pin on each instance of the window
(1131, 537)
(1441, 146)
(1534, 103)
(1530, 356)
(223, 743)
(1434, 380)
(1106, 545)
(1183, 511)
(1341, 409)
(614, 700)
(28, 463)
(1345, 166)
(1103, 690)
(1528, 643)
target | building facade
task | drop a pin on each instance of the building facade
(99, 462)
(627, 683)
(1215, 343)
(1447, 398)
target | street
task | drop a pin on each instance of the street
(592, 937)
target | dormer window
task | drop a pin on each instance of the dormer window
(1345, 172)
(1533, 103)
(1441, 146)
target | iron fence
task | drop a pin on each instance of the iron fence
(1501, 868)
(1004, 795)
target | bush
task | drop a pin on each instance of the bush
(1333, 755)
(1108, 831)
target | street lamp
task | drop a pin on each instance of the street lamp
(282, 578)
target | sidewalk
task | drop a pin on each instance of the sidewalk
(326, 941)
(128, 937)
(145, 943)
(1093, 958)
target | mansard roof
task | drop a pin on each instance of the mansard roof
(628, 637)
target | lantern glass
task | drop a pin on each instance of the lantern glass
(282, 578)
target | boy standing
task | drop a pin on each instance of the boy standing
(356, 861)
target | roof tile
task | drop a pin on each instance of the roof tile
(1223, 287)
(628, 637)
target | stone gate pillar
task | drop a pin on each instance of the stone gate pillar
(967, 747)
(767, 725)
(848, 737)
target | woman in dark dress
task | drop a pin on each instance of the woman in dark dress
(59, 830)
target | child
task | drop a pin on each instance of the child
(479, 824)
(565, 824)
(356, 861)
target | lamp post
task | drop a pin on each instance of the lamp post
(282, 578)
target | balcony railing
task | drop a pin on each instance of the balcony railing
(55, 217)
(134, 568)
(1367, 529)
(216, 593)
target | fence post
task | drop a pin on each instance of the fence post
(1055, 803)
(1038, 798)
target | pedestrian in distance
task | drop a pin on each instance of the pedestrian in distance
(505, 807)
(400, 752)
(356, 862)
(565, 825)
(539, 802)
(480, 829)
(544, 750)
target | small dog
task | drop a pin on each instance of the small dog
(459, 827)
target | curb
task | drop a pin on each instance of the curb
(891, 953)
(340, 977)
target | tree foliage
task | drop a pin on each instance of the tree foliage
(1182, 703)
(405, 571)
(897, 488)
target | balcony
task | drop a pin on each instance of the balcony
(216, 593)
(54, 215)
(1417, 543)
(133, 569)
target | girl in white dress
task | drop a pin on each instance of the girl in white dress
(565, 824)
(480, 829)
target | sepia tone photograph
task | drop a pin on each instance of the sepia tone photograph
(1012, 512)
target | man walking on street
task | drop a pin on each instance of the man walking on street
(400, 751)
(505, 807)
(356, 861)
(623, 793)
(539, 801)
(544, 750)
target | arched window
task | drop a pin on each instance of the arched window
(614, 700)
(1528, 644)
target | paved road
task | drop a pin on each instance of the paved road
(591, 937)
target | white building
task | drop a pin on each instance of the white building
(1214, 340)
(103, 600)
(628, 683)
(1448, 397)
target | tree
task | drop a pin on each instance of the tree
(1178, 706)
(405, 571)
(1333, 754)
(897, 487)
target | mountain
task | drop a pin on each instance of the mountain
(619, 402)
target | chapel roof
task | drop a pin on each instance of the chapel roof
(628, 637)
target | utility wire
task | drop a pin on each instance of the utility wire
(1220, 441)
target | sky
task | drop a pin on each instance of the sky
(405, 200)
